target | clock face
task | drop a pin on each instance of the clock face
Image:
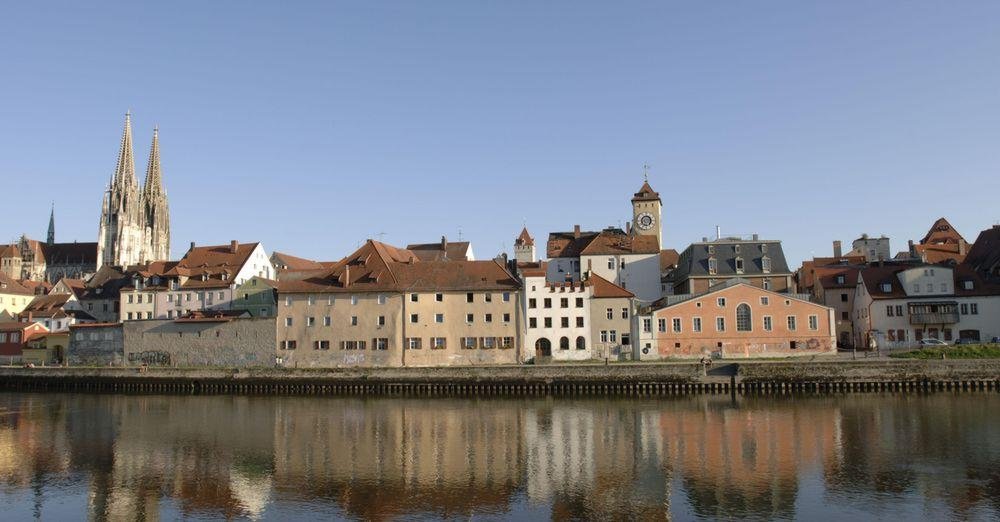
(644, 221)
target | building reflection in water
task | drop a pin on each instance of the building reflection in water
(151, 457)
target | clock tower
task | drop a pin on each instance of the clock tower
(646, 213)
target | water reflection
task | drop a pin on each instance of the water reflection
(151, 457)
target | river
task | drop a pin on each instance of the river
(833, 457)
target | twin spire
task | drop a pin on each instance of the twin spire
(125, 169)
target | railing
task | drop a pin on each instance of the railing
(934, 318)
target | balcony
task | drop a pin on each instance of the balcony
(934, 318)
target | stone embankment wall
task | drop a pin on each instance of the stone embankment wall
(587, 379)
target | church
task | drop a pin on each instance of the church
(135, 221)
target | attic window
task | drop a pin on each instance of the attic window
(739, 265)
(765, 264)
(225, 276)
(886, 287)
(968, 285)
(711, 249)
(713, 265)
(763, 248)
(737, 249)
(840, 280)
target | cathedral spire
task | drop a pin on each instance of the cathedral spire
(125, 169)
(52, 226)
(153, 184)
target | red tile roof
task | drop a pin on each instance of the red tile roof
(524, 238)
(646, 193)
(606, 289)
(941, 232)
(668, 259)
(290, 262)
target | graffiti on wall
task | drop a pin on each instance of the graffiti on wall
(151, 357)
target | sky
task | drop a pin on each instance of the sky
(313, 126)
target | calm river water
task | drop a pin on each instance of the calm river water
(854, 457)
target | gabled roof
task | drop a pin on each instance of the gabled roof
(610, 241)
(941, 232)
(984, 256)
(668, 259)
(217, 258)
(76, 286)
(378, 267)
(284, 261)
(827, 276)
(606, 289)
(19, 326)
(11, 251)
(45, 304)
(13, 286)
(444, 250)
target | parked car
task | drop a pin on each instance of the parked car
(932, 343)
(966, 340)
(995, 340)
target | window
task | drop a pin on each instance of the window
(579, 322)
(764, 300)
(791, 323)
(564, 302)
(354, 320)
(488, 318)
(739, 265)
(532, 303)
(711, 249)
(414, 318)
(506, 317)
(326, 321)
(899, 310)
(547, 303)
(532, 322)
(380, 343)
(765, 264)
(661, 325)
(438, 343)
(414, 298)
(964, 308)
(930, 288)
(766, 283)
(468, 342)
(713, 265)
(564, 343)
(381, 299)
(944, 287)
(611, 313)
(468, 297)
(845, 316)
(547, 322)
(469, 318)
(767, 323)
(506, 342)
(843, 298)
(721, 301)
(564, 322)
(676, 324)
(381, 320)
(973, 309)
(968, 285)
(613, 336)
(321, 345)
(813, 322)
(329, 300)
(647, 325)
(131, 298)
(579, 302)
(310, 321)
(354, 300)
(438, 318)
(288, 321)
(696, 324)
(311, 299)
(506, 297)
(413, 343)
(581, 343)
(840, 279)
(488, 298)
(604, 336)
(916, 288)
(624, 313)
(888, 310)
(737, 248)
(744, 319)
(611, 263)
(720, 324)
(439, 297)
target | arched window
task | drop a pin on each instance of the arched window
(581, 343)
(564, 343)
(743, 318)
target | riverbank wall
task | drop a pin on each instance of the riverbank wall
(585, 379)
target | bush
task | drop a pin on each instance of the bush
(965, 351)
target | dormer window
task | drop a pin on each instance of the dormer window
(886, 287)
(765, 264)
(737, 249)
(840, 280)
(763, 248)
(711, 249)
(713, 265)
(968, 285)
(739, 265)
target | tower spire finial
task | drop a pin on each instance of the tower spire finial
(51, 238)
(645, 172)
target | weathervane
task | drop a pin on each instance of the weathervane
(645, 172)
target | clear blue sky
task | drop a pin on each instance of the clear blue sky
(313, 127)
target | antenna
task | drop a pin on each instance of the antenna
(459, 233)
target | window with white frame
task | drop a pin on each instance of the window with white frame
(767, 323)
(720, 324)
(676, 324)
(791, 323)
(647, 325)
(813, 322)
(696, 324)
(661, 325)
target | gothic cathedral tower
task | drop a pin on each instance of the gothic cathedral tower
(123, 239)
(646, 213)
(155, 214)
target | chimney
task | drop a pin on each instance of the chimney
(718, 232)
(628, 227)
(347, 275)
(590, 265)
(444, 244)
(576, 231)
(913, 252)
(756, 237)
(704, 239)
(192, 246)
(962, 247)
(234, 245)
(837, 249)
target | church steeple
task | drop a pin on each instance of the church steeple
(155, 211)
(51, 238)
(125, 169)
